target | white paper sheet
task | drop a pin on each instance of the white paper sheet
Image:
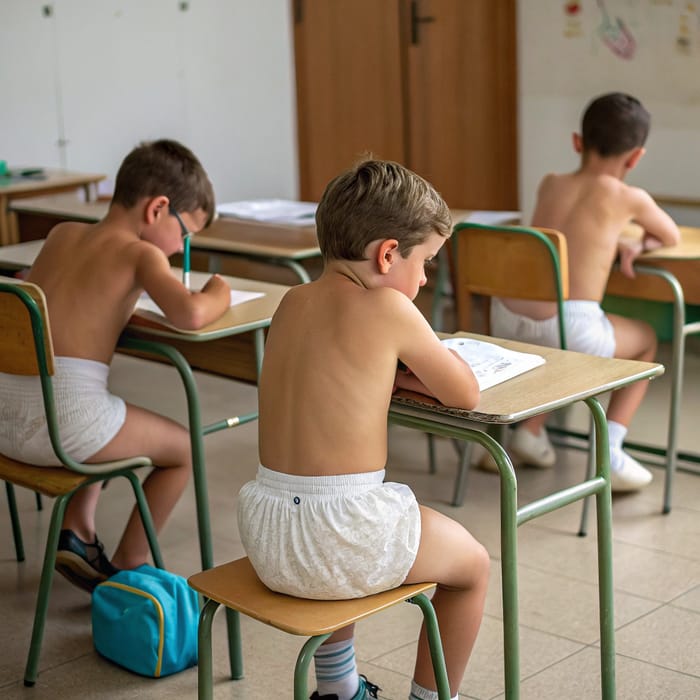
(491, 363)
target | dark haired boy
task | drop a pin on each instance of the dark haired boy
(591, 207)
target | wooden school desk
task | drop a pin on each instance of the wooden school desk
(276, 244)
(670, 274)
(48, 181)
(566, 377)
(216, 348)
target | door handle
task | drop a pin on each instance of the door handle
(416, 20)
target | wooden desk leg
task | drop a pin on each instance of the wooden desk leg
(4, 222)
(12, 228)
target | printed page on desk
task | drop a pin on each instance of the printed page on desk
(491, 363)
(273, 211)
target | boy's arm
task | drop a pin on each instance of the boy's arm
(433, 369)
(659, 228)
(183, 308)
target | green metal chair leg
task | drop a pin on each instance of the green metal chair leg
(14, 518)
(435, 643)
(42, 600)
(462, 473)
(205, 666)
(235, 651)
(301, 668)
(146, 518)
(590, 472)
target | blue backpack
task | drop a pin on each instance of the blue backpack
(146, 620)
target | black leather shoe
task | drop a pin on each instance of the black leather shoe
(83, 564)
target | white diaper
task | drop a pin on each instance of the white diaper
(588, 329)
(88, 415)
(329, 537)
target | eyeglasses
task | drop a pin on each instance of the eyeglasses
(184, 231)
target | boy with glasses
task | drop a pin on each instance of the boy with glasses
(92, 276)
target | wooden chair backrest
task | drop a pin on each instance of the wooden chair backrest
(20, 302)
(508, 261)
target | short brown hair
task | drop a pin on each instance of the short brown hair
(164, 167)
(614, 124)
(374, 200)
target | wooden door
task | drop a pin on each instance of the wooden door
(350, 96)
(462, 116)
(430, 83)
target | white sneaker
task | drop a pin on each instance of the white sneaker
(629, 475)
(535, 450)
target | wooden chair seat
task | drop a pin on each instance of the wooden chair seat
(235, 585)
(49, 481)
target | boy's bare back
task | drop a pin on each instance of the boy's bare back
(330, 366)
(88, 273)
(592, 210)
(93, 274)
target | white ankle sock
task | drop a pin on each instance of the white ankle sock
(616, 436)
(336, 670)
(420, 693)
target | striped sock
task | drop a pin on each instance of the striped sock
(336, 670)
(420, 693)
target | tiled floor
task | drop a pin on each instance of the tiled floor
(657, 574)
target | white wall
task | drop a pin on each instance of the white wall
(83, 86)
(564, 62)
(220, 76)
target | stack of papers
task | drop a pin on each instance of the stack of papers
(491, 363)
(277, 211)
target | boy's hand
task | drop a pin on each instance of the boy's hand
(630, 250)
(217, 286)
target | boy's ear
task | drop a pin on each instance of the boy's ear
(634, 157)
(386, 255)
(155, 207)
(577, 140)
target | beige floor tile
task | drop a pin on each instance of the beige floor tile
(562, 606)
(668, 637)
(578, 678)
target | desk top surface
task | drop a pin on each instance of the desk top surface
(566, 377)
(226, 234)
(256, 313)
(47, 180)
(687, 249)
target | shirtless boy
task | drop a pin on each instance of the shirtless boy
(319, 521)
(591, 207)
(92, 276)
